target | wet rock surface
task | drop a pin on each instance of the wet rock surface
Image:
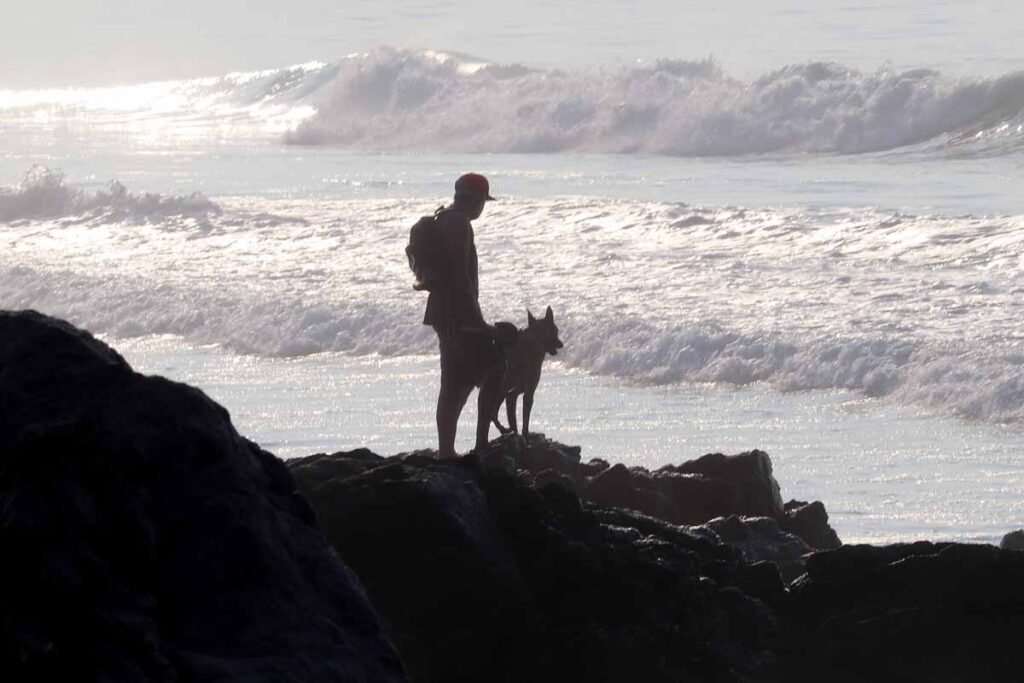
(144, 540)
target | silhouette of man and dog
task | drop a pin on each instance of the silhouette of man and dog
(502, 361)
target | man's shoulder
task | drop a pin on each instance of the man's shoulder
(454, 220)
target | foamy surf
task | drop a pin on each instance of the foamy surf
(921, 311)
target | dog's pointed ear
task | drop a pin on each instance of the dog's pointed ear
(550, 315)
(529, 317)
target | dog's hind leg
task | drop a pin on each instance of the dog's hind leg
(497, 423)
(488, 401)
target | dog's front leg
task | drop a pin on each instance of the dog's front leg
(510, 411)
(527, 407)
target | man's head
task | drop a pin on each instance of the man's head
(472, 191)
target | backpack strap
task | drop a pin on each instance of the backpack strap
(445, 209)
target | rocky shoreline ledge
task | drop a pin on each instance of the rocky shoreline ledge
(144, 539)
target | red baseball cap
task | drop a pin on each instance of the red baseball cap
(474, 183)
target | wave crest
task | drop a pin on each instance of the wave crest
(405, 100)
(962, 382)
(399, 100)
(44, 194)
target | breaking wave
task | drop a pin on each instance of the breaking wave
(391, 99)
(44, 194)
(399, 100)
(966, 382)
(987, 387)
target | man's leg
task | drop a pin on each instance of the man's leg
(450, 401)
(451, 398)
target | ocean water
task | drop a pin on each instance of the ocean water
(823, 261)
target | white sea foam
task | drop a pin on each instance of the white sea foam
(920, 310)
(43, 193)
(391, 99)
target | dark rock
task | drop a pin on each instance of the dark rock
(655, 503)
(594, 467)
(689, 494)
(1013, 541)
(760, 539)
(696, 498)
(756, 491)
(422, 456)
(809, 521)
(922, 612)
(483, 577)
(546, 477)
(699, 539)
(143, 539)
(692, 493)
(321, 466)
(763, 581)
(642, 478)
(423, 540)
(544, 454)
(561, 497)
(611, 488)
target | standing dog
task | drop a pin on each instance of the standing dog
(525, 357)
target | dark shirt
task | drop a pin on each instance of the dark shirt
(455, 300)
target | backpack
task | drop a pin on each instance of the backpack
(426, 252)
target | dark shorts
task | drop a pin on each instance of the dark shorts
(465, 359)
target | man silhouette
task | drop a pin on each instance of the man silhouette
(468, 355)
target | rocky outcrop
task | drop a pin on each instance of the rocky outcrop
(1013, 540)
(482, 576)
(690, 493)
(809, 521)
(486, 574)
(144, 540)
(917, 612)
(761, 539)
(741, 484)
